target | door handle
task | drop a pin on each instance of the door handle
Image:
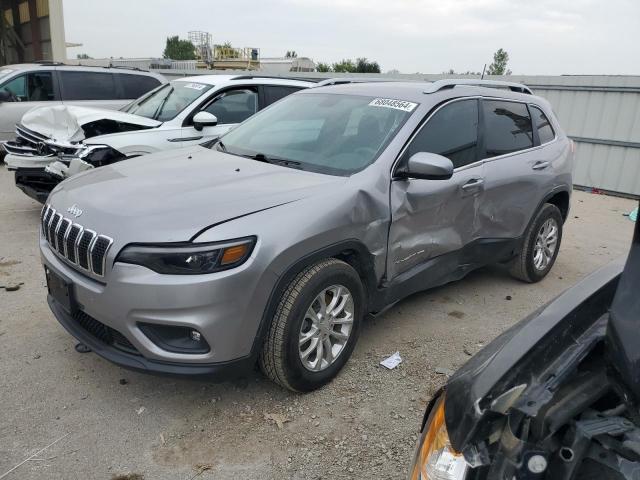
(473, 183)
(540, 165)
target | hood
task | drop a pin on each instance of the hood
(67, 124)
(174, 196)
(517, 360)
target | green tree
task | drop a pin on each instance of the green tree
(499, 65)
(177, 49)
(323, 67)
(344, 66)
(83, 56)
(364, 66)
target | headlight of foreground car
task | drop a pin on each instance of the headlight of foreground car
(189, 258)
(435, 459)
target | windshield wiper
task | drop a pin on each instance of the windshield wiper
(261, 157)
(158, 111)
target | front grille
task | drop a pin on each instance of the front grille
(76, 244)
(104, 333)
(30, 143)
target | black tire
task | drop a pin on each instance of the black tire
(522, 267)
(280, 358)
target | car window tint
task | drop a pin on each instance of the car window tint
(88, 86)
(273, 93)
(545, 130)
(451, 132)
(135, 86)
(507, 127)
(40, 87)
(234, 106)
(18, 87)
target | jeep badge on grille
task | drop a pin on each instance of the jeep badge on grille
(74, 210)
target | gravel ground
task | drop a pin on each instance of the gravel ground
(112, 423)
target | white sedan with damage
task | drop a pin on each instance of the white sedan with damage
(53, 143)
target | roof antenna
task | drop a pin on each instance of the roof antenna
(483, 69)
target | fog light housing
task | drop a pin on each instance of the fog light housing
(176, 339)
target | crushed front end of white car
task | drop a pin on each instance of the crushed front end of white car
(50, 144)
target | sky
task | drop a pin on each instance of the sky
(542, 37)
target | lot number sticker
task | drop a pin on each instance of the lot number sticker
(195, 86)
(391, 103)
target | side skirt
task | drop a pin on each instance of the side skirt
(444, 269)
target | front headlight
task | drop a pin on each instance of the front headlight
(189, 258)
(435, 458)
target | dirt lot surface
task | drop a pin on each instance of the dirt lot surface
(112, 423)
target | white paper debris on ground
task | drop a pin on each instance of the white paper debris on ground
(392, 362)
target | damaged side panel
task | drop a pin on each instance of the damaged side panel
(431, 218)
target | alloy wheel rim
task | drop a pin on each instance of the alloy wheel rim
(326, 328)
(546, 244)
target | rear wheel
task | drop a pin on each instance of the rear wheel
(315, 327)
(540, 247)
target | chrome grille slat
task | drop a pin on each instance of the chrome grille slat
(61, 235)
(53, 229)
(81, 247)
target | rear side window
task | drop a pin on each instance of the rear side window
(451, 132)
(88, 86)
(134, 86)
(545, 130)
(273, 93)
(507, 127)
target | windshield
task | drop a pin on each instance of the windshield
(168, 101)
(327, 133)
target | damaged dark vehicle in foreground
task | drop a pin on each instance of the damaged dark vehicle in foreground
(554, 397)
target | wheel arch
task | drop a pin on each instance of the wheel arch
(353, 252)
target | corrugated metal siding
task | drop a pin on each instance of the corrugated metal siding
(596, 111)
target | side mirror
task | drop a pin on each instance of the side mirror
(427, 166)
(204, 119)
(5, 96)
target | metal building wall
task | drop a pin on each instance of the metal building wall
(601, 113)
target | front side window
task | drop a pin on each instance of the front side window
(545, 130)
(32, 87)
(234, 106)
(451, 132)
(507, 127)
(326, 133)
(168, 101)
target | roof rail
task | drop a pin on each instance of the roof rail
(275, 77)
(48, 62)
(124, 67)
(345, 80)
(442, 84)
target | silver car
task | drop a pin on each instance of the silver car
(27, 86)
(273, 244)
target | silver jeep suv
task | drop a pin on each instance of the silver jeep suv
(275, 242)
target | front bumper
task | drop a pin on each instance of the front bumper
(132, 361)
(227, 308)
(15, 162)
(35, 183)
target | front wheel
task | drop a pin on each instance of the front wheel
(541, 244)
(315, 327)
